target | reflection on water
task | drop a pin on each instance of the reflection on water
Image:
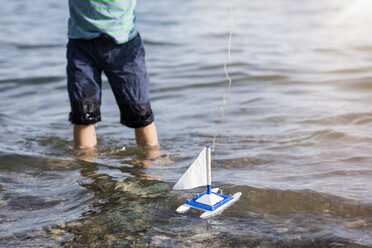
(296, 140)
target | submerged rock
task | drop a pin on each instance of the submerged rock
(151, 191)
(56, 231)
(109, 237)
(356, 224)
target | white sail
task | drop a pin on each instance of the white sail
(196, 174)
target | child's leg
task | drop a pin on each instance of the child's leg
(130, 83)
(84, 88)
(85, 136)
(146, 136)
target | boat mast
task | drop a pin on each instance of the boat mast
(209, 170)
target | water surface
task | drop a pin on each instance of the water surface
(296, 139)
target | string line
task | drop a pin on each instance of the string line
(227, 76)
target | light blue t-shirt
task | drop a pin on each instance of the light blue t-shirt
(91, 18)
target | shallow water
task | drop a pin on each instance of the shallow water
(296, 139)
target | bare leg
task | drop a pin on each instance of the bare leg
(85, 136)
(147, 136)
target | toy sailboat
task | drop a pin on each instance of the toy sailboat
(199, 174)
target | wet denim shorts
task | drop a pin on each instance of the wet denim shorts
(125, 67)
